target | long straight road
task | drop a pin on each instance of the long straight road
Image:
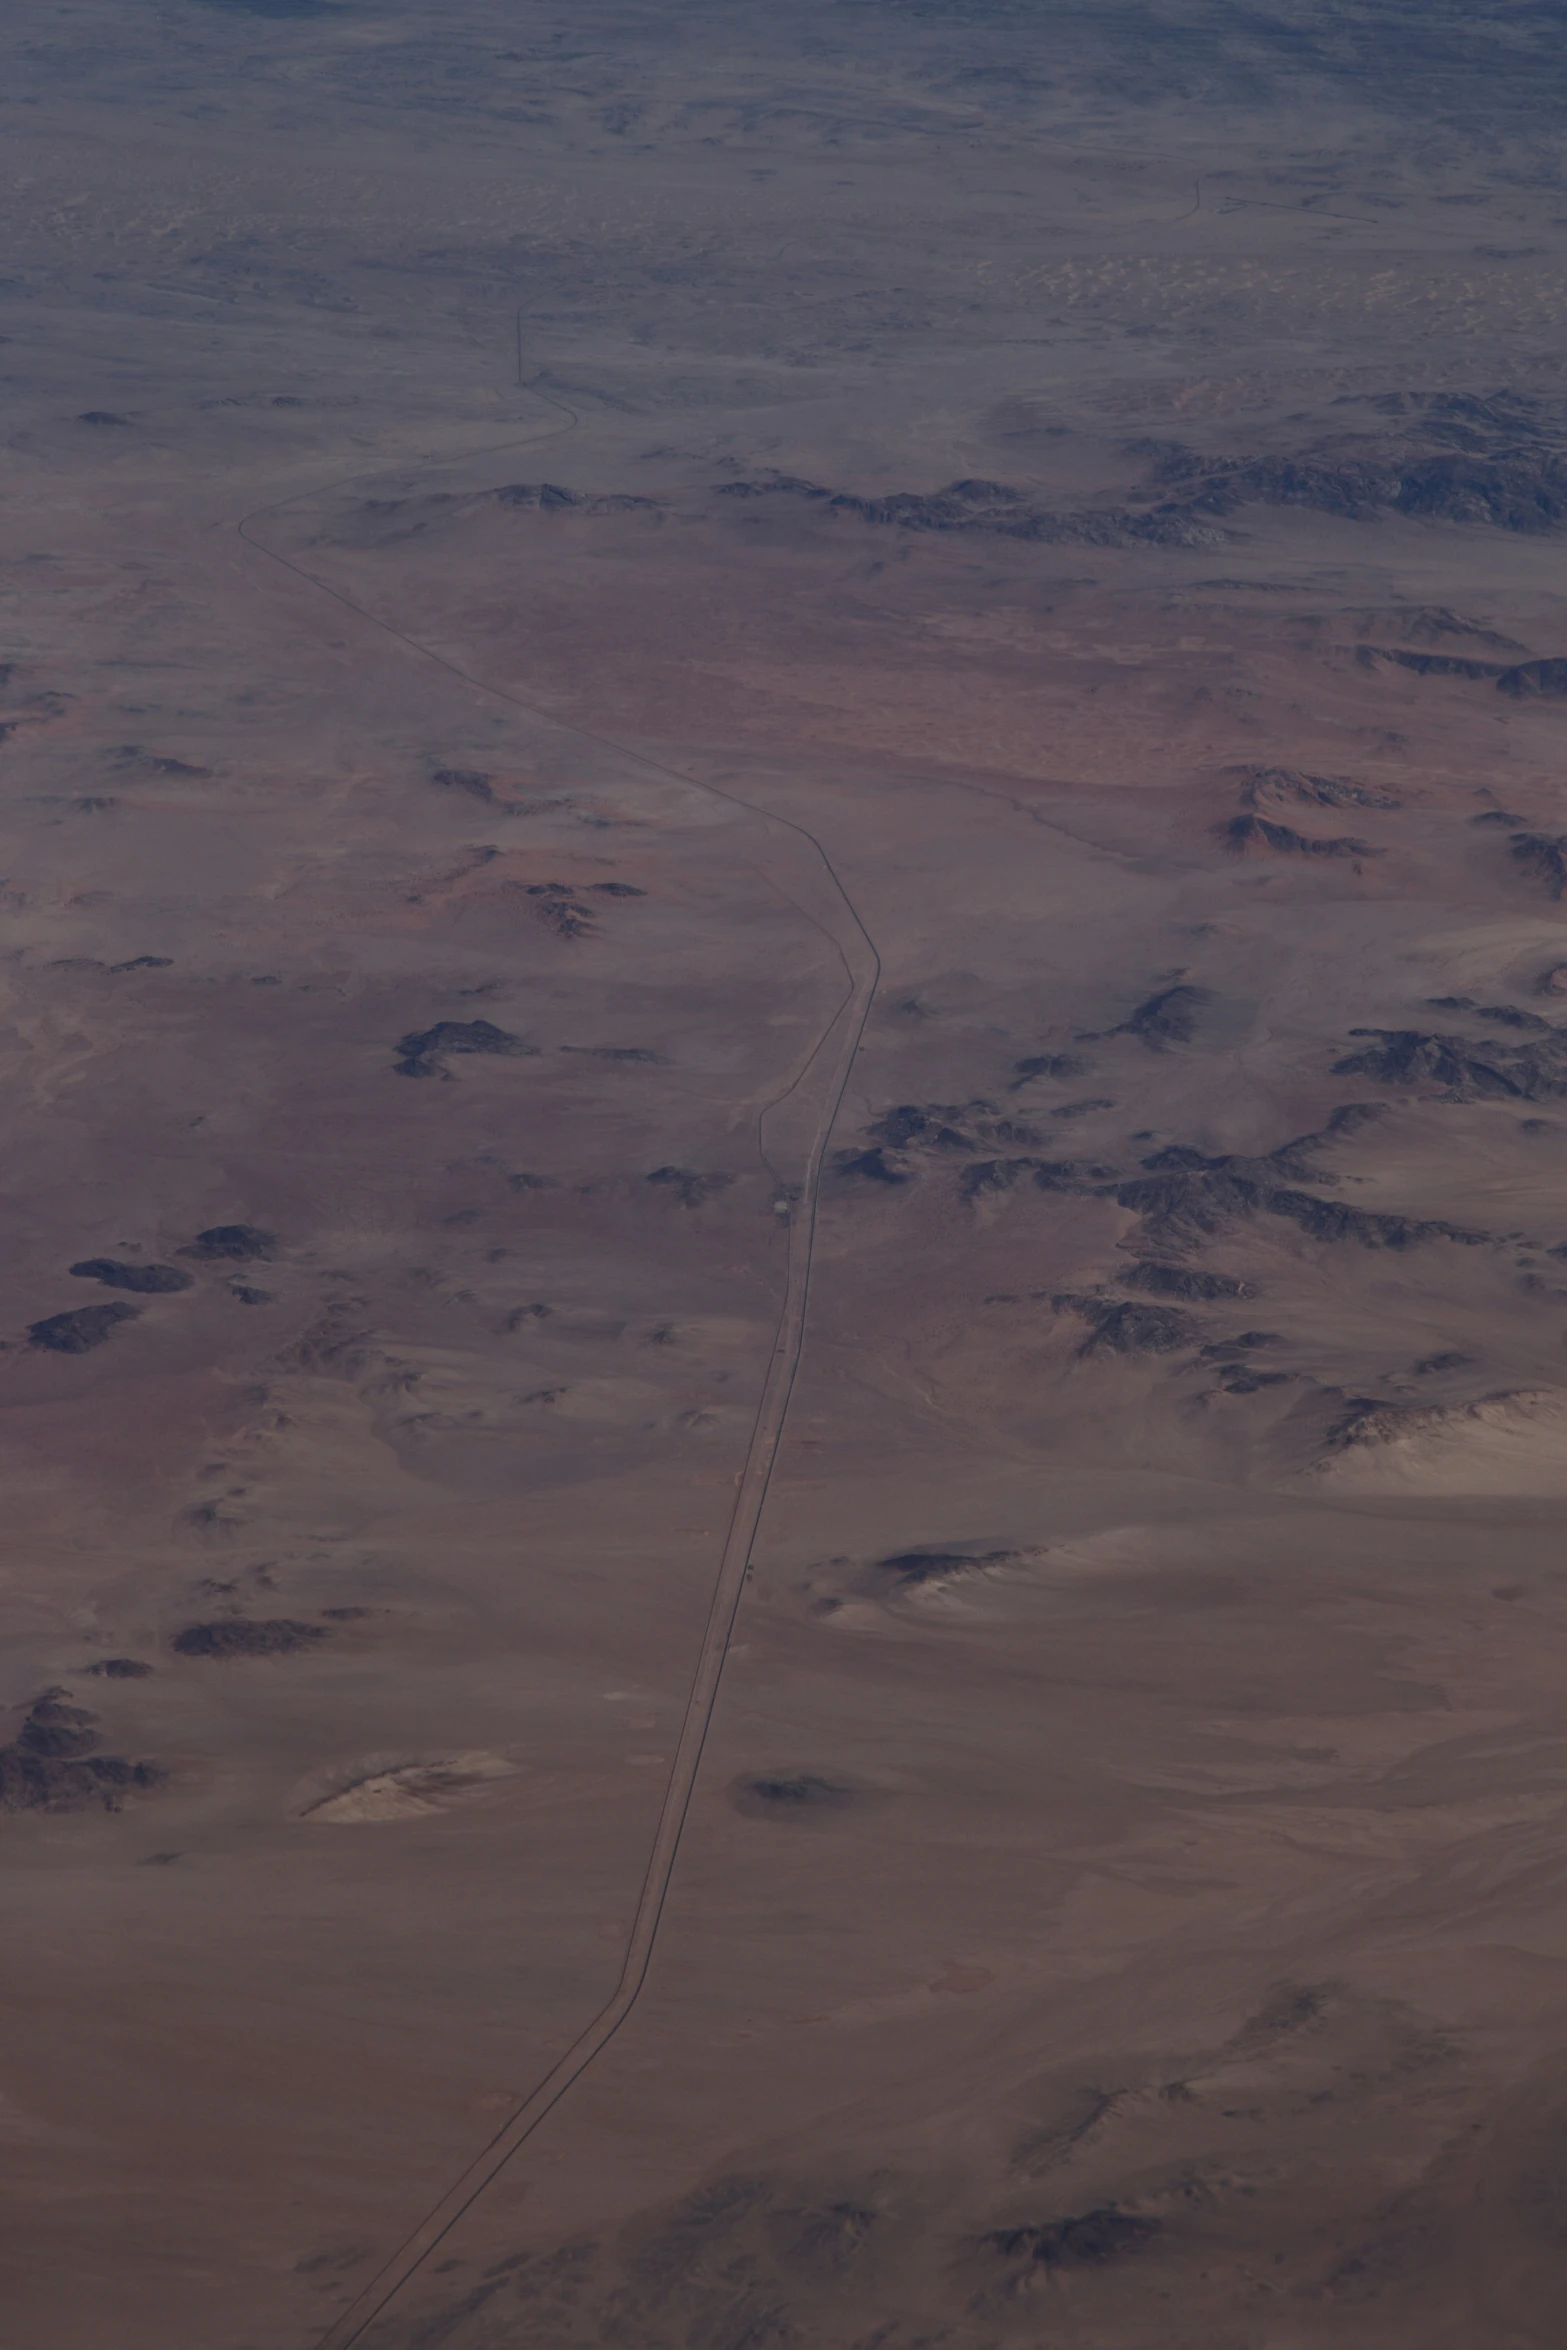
(799, 866)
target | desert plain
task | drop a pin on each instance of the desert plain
(785, 1044)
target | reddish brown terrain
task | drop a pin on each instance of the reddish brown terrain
(785, 1389)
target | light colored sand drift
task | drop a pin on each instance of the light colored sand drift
(1511, 1443)
(412, 1792)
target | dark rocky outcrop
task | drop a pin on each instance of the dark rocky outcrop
(1165, 1019)
(119, 1668)
(465, 779)
(1185, 1282)
(994, 508)
(231, 1244)
(1122, 1326)
(50, 1765)
(989, 1175)
(633, 1053)
(1186, 1197)
(561, 910)
(79, 1332)
(1329, 1220)
(912, 1568)
(542, 496)
(689, 1186)
(1245, 834)
(1057, 1065)
(422, 1051)
(1461, 1069)
(1529, 678)
(790, 1795)
(947, 1127)
(233, 1636)
(871, 1166)
(1516, 483)
(547, 497)
(1265, 785)
(1545, 856)
(1090, 2240)
(1429, 664)
(143, 1280)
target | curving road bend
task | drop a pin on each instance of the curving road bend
(828, 1065)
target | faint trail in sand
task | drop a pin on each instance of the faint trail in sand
(837, 1045)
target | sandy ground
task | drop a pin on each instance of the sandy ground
(532, 535)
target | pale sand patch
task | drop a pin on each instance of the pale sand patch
(411, 1792)
(1513, 1443)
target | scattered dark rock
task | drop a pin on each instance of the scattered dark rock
(1165, 1019)
(422, 1051)
(239, 1636)
(50, 1765)
(144, 1280)
(1449, 1359)
(521, 1180)
(101, 416)
(790, 1795)
(1092, 2240)
(1184, 1281)
(120, 1668)
(1247, 1382)
(1121, 1327)
(244, 1295)
(1083, 1109)
(1244, 833)
(1496, 816)
(79, 1332)
(1544, 855)
(1553, 981)
(689, 1187)
(230, 1244)
(145, 963)
(617, 889)
(465, 779)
